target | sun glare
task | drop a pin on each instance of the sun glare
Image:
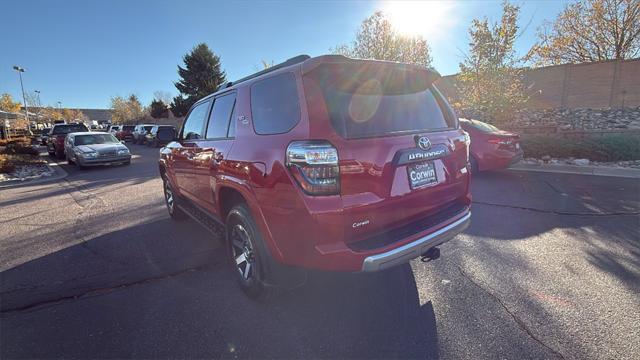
(431, 19)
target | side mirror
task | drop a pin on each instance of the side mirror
(170, 146)
(122, 141)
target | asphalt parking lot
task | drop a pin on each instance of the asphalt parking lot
(92, 267)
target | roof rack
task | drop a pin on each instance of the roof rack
(294, 60)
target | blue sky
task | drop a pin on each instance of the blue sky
(83, 52)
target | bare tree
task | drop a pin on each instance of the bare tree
(163, 96)
(377, 39)
(33, 101)
(590, 30)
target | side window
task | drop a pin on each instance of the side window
(220, 115)
(274, 104)
(194, 123)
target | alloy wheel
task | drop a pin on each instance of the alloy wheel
(242, 251)
(168, 195)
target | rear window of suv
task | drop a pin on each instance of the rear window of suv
(370, 102)
(128, 127)
(275, 108)
(66, 129)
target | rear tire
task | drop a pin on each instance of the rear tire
(247, 253)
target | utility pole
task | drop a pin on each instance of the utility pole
(24, 99)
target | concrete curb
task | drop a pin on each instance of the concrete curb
(59, 173)
(580, 170)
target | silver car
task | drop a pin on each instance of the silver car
(95, 148)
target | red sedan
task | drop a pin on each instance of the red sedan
(491, 148)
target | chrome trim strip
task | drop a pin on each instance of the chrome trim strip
(416, 248)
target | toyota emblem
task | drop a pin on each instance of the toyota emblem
(423, 143)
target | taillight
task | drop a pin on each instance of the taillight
(314, 165)
(467, 142)
(503, 143)
(500, 141)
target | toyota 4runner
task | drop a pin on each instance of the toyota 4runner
(326, 163)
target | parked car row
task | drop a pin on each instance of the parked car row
(149, 134)
(80, 146)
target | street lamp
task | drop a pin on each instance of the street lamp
(24, 99)
(39, 105)
(59, 105)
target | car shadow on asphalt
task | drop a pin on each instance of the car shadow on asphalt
(603, 213)
(334, 315)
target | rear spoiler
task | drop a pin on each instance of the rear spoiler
(311, 64)
(348, 74)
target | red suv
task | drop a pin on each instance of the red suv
(125, 133)
(324, 163)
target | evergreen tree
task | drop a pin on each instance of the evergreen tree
(200, 76)
(158, 109)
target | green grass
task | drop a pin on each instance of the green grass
(605, 148)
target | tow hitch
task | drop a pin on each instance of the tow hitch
(431, 254)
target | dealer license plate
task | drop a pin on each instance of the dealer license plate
(421, 174)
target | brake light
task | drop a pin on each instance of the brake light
(314, 165)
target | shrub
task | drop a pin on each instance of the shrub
(605, 148)
(20, 148)
(6, 165)
(22, 140)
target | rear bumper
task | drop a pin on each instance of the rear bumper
(415, 248)
(500, 159)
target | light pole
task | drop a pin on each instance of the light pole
(59, 105)
(38, 95)
(24, 99)
(38, 104)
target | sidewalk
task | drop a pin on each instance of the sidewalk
(581, 170)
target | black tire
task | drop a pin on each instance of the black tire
(474, 165)
(246, 248)
(170, 200)
(128, 162)
(69, 161)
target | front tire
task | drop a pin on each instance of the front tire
(247, 252)
(170, 201)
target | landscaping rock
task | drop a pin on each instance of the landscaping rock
(581, 162)
(567, 120)
(27, 172)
